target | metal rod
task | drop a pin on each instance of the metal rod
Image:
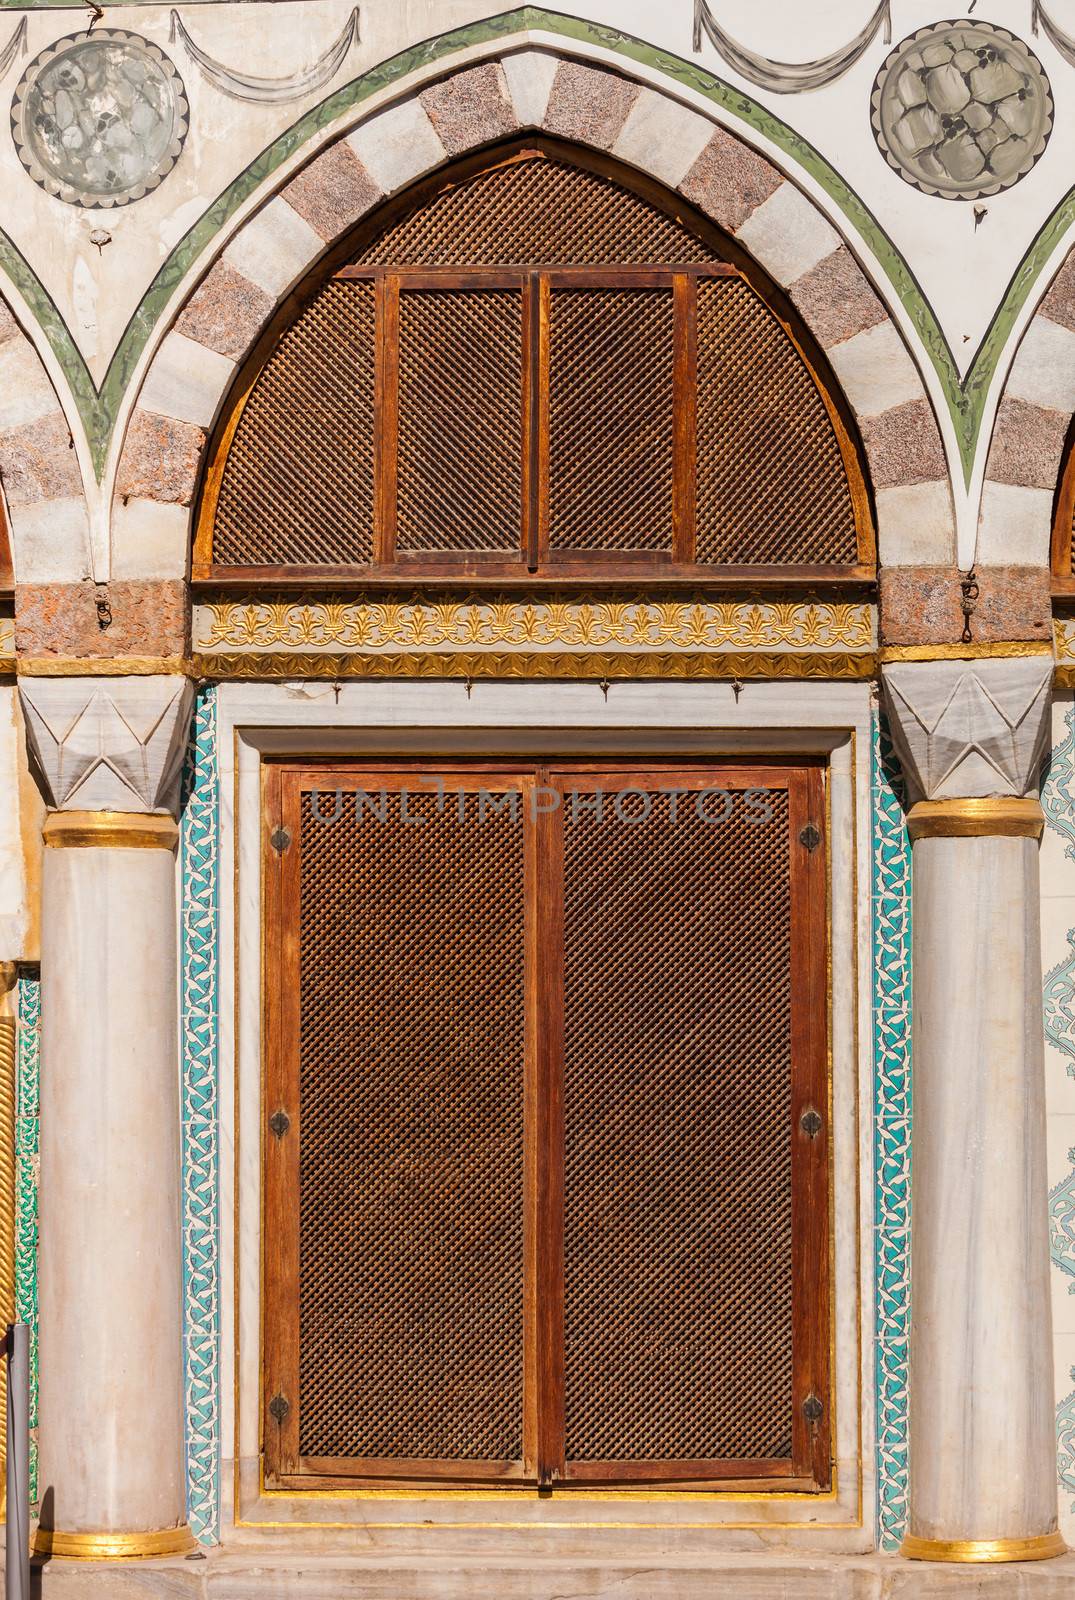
(17, 1560)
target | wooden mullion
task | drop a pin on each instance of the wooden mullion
(386, 427)
(547, 827)
(811, 1439)
(531, 381)
(280, 1218)
(540, 509)
(685, 414)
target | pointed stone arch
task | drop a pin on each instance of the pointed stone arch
(478, 104)
(1032, 426)
(43, 491)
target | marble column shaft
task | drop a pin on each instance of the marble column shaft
(982, 1440)
(111, 1455)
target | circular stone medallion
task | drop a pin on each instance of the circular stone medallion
(962, 109)
(100, 118)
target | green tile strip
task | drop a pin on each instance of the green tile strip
(892, 1131)
(26, 1175)
(98, 409)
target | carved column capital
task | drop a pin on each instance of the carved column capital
(108, 744)
(969, 728)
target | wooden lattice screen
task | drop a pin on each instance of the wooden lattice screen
(545, 1145)
(534, 368)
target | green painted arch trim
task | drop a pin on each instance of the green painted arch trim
(99, 408)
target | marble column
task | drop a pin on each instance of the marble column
(983, 1485)
(111, 1479)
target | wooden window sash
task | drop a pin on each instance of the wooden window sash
(536, 286)
(543, 1422)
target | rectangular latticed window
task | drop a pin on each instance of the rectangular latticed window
(545, 1151)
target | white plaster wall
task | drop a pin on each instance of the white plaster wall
(21, 816)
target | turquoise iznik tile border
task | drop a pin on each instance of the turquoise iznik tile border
(1058, 803)
(98, 408)
(201, 1207)
(26, 1175)
(892, 1130)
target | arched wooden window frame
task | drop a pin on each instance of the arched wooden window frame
(861, 572)
(1063, 577)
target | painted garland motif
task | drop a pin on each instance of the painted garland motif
(962, 110)
(99, 119)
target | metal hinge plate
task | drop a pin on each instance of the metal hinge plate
(280, 840)
(809, 838)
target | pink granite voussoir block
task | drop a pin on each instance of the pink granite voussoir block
(160, 460)
(1059, 303)
(38, 462)
(836, 300)
(729, 181)
(225, 313)
(470, 109)
(333, 192)
(589, 104)
(903, 445)
(1027, 445)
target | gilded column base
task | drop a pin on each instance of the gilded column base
(1039, 1548)
(114, 1546)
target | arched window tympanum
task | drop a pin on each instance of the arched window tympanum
(537, 365)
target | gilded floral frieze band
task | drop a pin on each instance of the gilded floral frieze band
(566, 664)
(1064, 640)
(477, 623)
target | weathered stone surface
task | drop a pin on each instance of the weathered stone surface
(922, 605)
(1028, 442)
(149, 618)
(333, 192)
(903, 445)
(836, 299)
(729, 181)
(38, 462)
(225, 312)
(1059, 303)
(470, 108)
(8, 326)
(589, 104)
(160, 459)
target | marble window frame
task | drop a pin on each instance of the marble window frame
(256, 720)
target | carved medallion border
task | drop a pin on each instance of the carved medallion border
(891, 853)
(200, 1125)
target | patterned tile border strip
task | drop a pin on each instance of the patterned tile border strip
(1058, 802)
(26, 1176)
(892, 1131)
(99, 408)
(201, 1207)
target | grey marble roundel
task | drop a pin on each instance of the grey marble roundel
(100, 118)
(962, 109)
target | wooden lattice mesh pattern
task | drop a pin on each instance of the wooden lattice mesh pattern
(611, 403)
(298, 489)
(411, 1164)
(677, 1102)
(460, 420)
(771, 483)
(535, 212)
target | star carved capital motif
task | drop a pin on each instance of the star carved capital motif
(108, 744)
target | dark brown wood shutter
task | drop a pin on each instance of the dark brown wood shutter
(545, 1153)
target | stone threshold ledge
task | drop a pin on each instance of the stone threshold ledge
(279, 1570)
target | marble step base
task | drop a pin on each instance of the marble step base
(241, 1575)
